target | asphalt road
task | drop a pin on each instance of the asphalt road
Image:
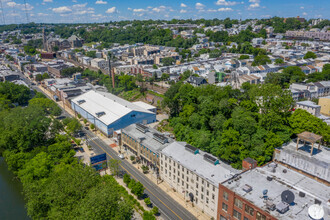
(168, 207)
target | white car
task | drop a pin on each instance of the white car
(121, 156)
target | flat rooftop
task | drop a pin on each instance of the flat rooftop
(147, 138)
(317, 165)
(282, 179)
(113, 106)
(215, 174)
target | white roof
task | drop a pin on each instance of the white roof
(144, 105)
(113, 106)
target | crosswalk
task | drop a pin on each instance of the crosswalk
(93, 138)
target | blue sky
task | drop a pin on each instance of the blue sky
(72, 11)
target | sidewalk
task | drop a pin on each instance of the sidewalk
(163, 185)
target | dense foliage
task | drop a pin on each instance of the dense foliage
(55, 184)
(232, 124)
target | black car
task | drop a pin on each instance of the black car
(61, 117)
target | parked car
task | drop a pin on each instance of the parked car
(121, 156)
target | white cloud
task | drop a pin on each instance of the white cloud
(159, 9)
(183, 11)
(225, 9)
(47, 0)
(130, 9)
(79, 5)
(226, 3)
(11, 4)
(111, 10)
(183, 5)
(42, 14)
(62, 9)
(199, 6)
(100, 2)
(302, 7)
(254, 4)
(304, 13)
(211, 10)
(139, 10)
(23, 7)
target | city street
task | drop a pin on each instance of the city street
(168, 207)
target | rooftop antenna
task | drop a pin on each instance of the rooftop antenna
(26, 12)
(3, 16)
(316, 212)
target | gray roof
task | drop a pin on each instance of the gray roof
(146, 139)
(282, 179)
(308, 103)
(215, 174)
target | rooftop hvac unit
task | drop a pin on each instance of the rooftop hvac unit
(81, 101)
(99, 114)
(247, 188)
(282, 207)
(270, 205)
(191, 149)
(269, 178)
(211, 159)
(160, 138)
(141, 128)
(318, 202)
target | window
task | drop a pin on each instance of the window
(187, 186)
(178, 166)
(165, 171)
(249, 210)
(202, 181)
(222, 217)
(182, 176)
(182, 169)
(165, 164)
(208, 185)
(224, 207)
(202, 196)
(161, 162)
(170, 174)
(169, 167)
(178, 173)
(196, 193)
(225, 195)
(202, 189)
(207, 201)
(245, 218)
(213, 188)
(207, 192)
(237, 215)
(213, 196)
(197, 178)
(238, 203)
(197, 185)
(187, 172)
(161, 168)
(260, 216)
(178, 180)
(187, 179)
(182, 183)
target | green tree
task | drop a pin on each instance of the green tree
(310, 54)
(168, 61)
(279, 61)
(261, 60)
(243, 57)
(155, 210)
(92, 126)
(114, 166)
(147, 201)
(138, 189)
(126, 179)
(148, 216)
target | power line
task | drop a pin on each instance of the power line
(26, 12)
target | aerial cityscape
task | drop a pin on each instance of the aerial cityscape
(165, 110)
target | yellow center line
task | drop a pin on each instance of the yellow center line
(134, 177)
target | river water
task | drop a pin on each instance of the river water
(11, 198)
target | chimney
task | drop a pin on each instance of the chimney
(249, 163)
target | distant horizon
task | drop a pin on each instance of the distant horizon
(100, 11)
(185, 19)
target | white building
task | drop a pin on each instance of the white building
(98, 63)
(194, 174)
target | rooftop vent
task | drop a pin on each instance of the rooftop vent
(316, 201)
(211, 159)
(141, 128)
(269, 178)
(302, 194)
(247, 188)
(81, 101)
(160, 138)
(191, 149)
(99, 114)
